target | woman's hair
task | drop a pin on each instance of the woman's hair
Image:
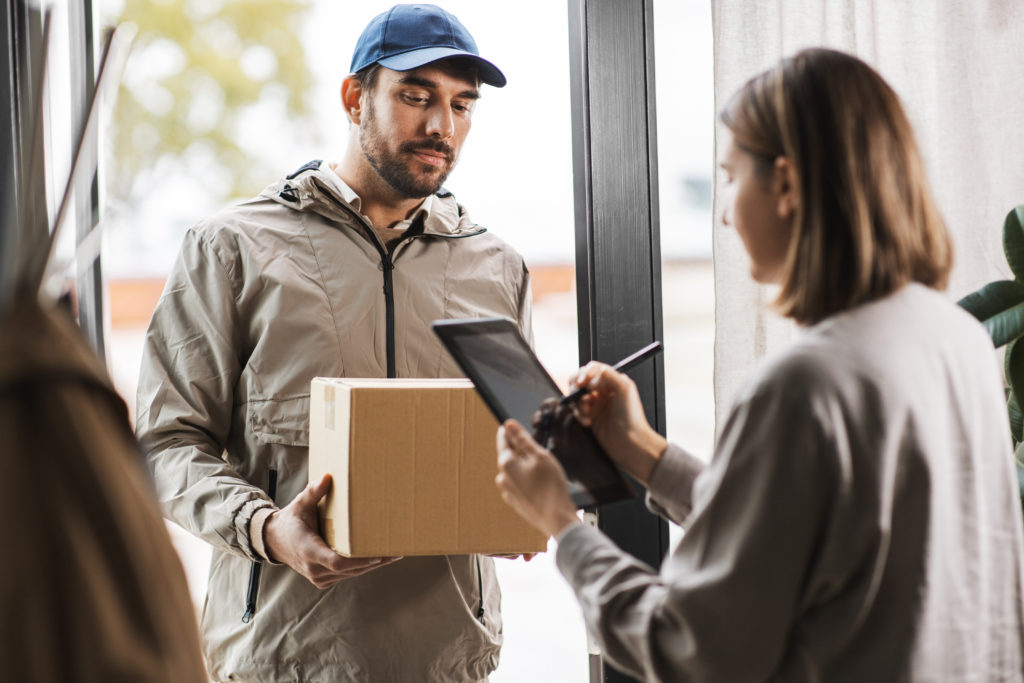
(866, 223)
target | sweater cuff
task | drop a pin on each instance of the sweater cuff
(670, 488)
(257, 527)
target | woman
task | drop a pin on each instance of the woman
(858, 520)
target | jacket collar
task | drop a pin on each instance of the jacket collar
(316, 187)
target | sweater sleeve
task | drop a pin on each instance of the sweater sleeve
(190, 365)
(670, 489)
(723, 604)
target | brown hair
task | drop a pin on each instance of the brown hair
(367, 77)
(866, 223)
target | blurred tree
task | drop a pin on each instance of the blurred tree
(198, 69)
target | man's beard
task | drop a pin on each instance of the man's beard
(390, 166)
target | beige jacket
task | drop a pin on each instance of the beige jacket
(264, 297)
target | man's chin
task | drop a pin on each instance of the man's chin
(416, 192)
(423, 186)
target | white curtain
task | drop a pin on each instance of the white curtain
(957, 65)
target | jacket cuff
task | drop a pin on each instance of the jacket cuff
(250, 525)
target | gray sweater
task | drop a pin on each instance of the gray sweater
(859, 520)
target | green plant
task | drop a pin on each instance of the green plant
(999, 306)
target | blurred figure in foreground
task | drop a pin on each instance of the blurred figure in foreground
(859, 520)
(92, 590)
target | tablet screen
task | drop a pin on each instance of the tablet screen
(513, 383)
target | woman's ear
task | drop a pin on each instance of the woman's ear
(351, 98)
(786, 185)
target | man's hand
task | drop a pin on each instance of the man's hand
(292, 537)
(515, 556)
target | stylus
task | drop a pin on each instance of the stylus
(626, 363)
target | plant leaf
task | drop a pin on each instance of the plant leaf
(1020, 471)
(1016, 417)
(1020, 482)
(1000, 308)
(1013, 365)
(993, 298)
(1006, 326)
(1013, 241)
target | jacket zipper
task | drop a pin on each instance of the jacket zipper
(388, 267)
(257, 567)
(480, 591)
(389, 309)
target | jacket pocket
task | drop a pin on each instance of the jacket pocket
(280, 420)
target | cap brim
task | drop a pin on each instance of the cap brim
(489, 74)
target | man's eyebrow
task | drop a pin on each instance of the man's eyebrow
(473, 94)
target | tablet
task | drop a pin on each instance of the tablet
(512, 382)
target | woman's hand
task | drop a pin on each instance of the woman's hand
(532, 482)
(613, 410)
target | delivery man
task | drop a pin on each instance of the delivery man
(335, 270)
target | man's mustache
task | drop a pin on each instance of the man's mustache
(427, 146)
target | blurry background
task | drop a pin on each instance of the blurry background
(222, 97)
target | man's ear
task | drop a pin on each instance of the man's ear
(352, 98)
(786, 184)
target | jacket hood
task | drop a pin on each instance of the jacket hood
(316, 187)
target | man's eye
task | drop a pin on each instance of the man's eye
(416, 99)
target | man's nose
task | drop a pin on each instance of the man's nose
(441, 122)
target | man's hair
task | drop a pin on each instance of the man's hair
(867, 222)
(367, 77)
(460, 67)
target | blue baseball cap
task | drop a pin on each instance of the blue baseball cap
(409, 36)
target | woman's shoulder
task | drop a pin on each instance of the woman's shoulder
(809, 365)
(880, 354)
(811, 384)
(912, 319)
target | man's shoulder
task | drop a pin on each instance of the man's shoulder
(460, 225)
(244, 217)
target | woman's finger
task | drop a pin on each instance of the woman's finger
(583, 410)
(585, 374)
(500, 439)
(508, 489)
(520, 439)
(505, 456)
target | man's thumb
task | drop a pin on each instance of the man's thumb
(319, 489)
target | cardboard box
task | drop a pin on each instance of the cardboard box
(413, 463)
